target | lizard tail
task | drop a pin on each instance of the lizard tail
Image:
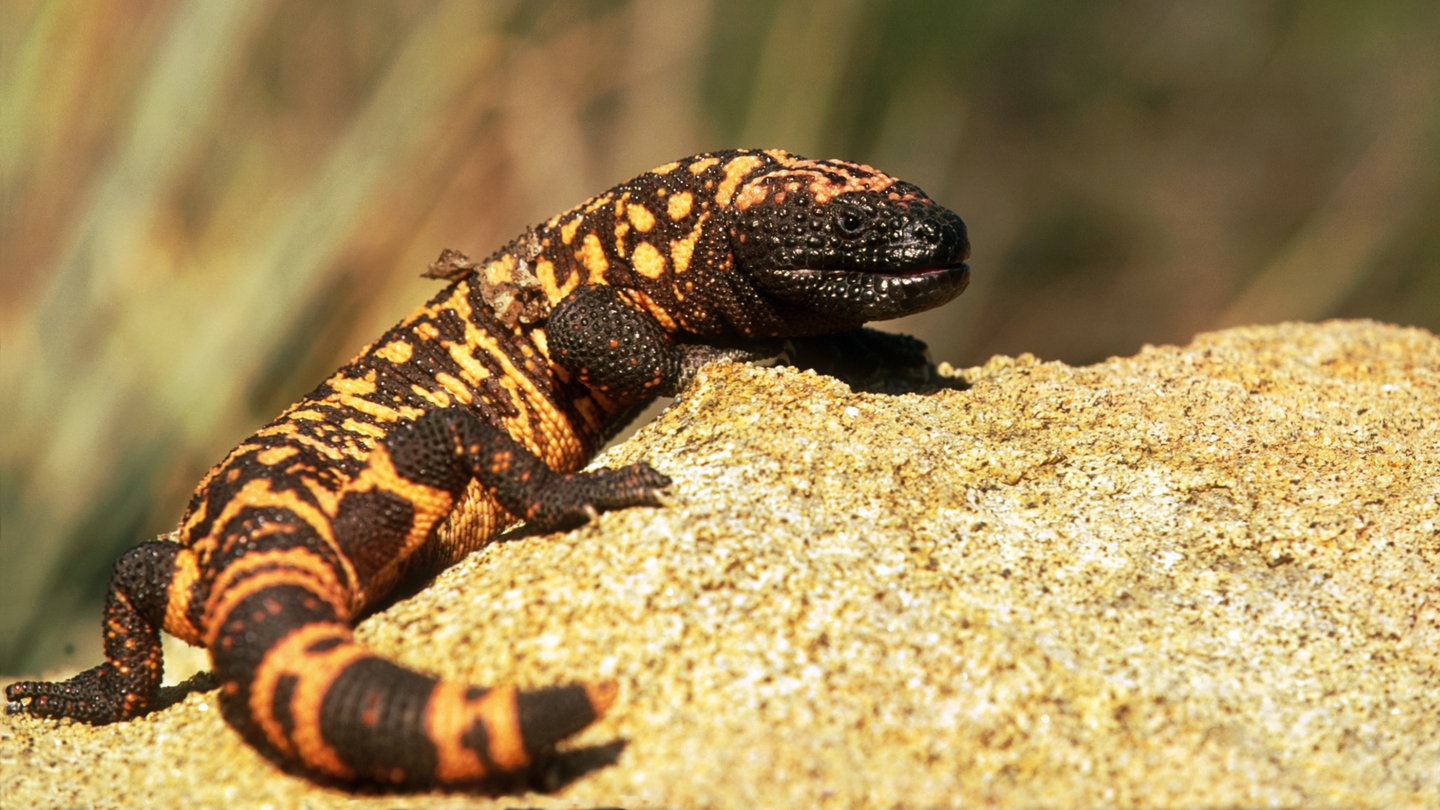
(298, 683)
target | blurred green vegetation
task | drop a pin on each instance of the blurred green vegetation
(209, 205)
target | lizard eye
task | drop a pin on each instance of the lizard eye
(849, 220)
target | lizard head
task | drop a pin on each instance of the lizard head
(846, 243)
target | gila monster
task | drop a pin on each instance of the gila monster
(504, 384)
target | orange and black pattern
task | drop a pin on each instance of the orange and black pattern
(475, 412)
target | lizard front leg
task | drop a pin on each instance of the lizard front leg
(623, 351)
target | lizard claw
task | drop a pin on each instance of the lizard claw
(579, 498)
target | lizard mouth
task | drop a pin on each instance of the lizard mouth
(869, 295)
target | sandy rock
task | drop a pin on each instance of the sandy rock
(1199, 576)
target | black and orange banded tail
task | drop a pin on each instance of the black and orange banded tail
(312, 694)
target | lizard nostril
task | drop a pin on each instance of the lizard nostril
(925, 230)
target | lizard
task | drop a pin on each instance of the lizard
(475, 412)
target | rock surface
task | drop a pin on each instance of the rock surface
(1200, 576)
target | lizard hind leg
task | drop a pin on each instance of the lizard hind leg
(135, 612)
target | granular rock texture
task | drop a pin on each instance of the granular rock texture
(1199, 576)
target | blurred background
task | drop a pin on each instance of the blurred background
(207, 206)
